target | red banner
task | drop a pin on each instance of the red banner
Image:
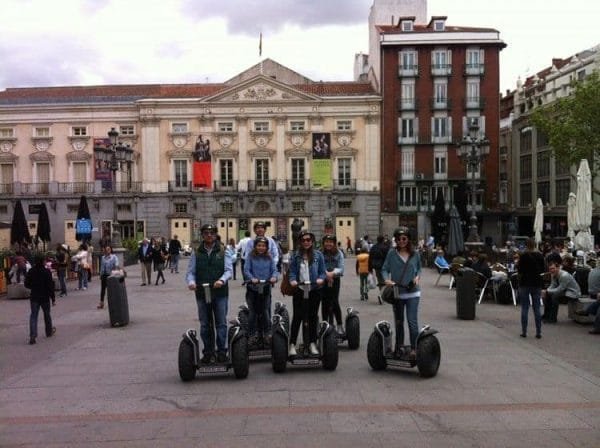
(202, 175)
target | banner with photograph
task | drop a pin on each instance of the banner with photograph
(202, 176)
(102, 169)
(321, 161)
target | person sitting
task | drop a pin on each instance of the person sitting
(568, 263)
(440, 261)
(563, 287)
(481, 265)
(594, 291)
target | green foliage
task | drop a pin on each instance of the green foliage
(131, 245)
(572, 123)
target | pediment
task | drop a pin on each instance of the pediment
(78, 156)
(260, 89)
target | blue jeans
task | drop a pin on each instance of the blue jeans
(219, 309)
(593, 309)
(62, 274)
(259, 306)
(33, 318)
(412, 310)
(174, 263)
(82, 275)
(536, 293)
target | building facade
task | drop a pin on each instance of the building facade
(269, 144)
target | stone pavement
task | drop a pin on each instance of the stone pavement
(96, 386)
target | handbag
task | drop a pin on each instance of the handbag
(286, 288)
(371, 282)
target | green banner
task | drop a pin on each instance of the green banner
(321, 173)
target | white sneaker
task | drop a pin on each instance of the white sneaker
(292, 350)
(313, 349)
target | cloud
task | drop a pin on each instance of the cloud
(249, 17)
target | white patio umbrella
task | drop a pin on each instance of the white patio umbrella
(583, 209)
(571, 218)
(538, 221)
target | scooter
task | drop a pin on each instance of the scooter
(381, 354)
(326, 337)
(189, 349)
(261, 349)
(351, 329)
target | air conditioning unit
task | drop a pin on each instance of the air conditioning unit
(419, 176)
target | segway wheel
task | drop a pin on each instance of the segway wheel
(279, 352)
(239, 357)
(375, 352)
(330, 351)
(187, 369)
(353, 332)
(428, 356)
(285, 318)
(230, 332)
(243, 318)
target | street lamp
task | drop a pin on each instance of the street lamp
(116, 157)
(472, 151)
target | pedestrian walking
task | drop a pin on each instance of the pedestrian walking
(530, 268)
(39, 280)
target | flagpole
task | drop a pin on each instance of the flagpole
(260, 52)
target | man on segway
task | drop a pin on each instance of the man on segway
(210, 265)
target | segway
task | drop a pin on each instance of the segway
(261, 350)
(351, 332)
(326, 338)
(189, 349)
(381, 353)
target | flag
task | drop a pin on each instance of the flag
(260, 46)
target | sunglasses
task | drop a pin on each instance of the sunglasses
(304, 240)
(402, 238)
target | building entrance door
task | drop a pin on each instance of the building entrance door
(344, 229)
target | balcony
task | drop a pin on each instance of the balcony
(75, 187)
(121, 187)
(408, 71)
(298, 184)
(38, 188)
(261, 185)
(474, 102)
(441, 69)
(225, 185)
(175, 186)
(407, 104)
(440, 103)
(344, 184)
(6, 189)
(474, 69)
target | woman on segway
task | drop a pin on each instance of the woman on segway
(306, 265)
(334, 267)
(259, 266)
(402, 267)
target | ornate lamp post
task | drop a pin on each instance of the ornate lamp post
(117, 157)
(472, 151)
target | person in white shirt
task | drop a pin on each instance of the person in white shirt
(242, 249)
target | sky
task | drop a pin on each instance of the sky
(96, 42)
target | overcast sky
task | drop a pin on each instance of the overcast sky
(89, 42)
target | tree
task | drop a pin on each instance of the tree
(572, 124)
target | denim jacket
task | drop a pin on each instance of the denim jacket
(316, 268)
(334, 263)
(259, 267)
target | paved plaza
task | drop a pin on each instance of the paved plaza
(95, 386)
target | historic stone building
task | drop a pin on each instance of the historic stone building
(269, 144)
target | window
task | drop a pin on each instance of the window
(440, 163)
(225, 126)
(345, 205)
(343, 125)
(407, 25)
(41, 132)
(261, 126)
(543, 164)
(226, 170)
(525, 140)
(581, 75)
(542, 139)
(7, 132)
(473, 97)
(440, 127)
(298, 172)
(180, 167)
(408, 162)
(297, 206)
(408, 95)
(563, 188)
(408, 127)
(127, 130)
(441, 94)
(42, 171)
(561, 169)
(408, 60)
(79, 176)
(297, 126)
(439, 25)
(474, 61)
(525, 195)
(440, 62)
(76, 131)
(543, 191)
(262, 172)
(437, 190)
(345, 171)
(179, 128)
(525, 168)
(227, 207)
(6, 174)
(407, 196)
(180, 207)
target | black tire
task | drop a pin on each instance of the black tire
(243, 318)
(353, 332)
(375, 352)
(330, 351)
(279, 352)
(187, 368)
(285, 318)
(239, 357)
(230, 333)
(428, 356)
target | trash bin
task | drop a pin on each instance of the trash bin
(466, 284)
(118, 308)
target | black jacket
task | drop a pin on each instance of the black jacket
(39, 280)
(377, 255)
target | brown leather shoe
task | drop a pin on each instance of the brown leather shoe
(100, 305)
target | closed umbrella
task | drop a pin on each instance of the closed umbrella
(83, 225)
(456, 242)
(538, 221)
(571, 218)
(43, 227)
(583, 209)
(19, 230)
(439, 219)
